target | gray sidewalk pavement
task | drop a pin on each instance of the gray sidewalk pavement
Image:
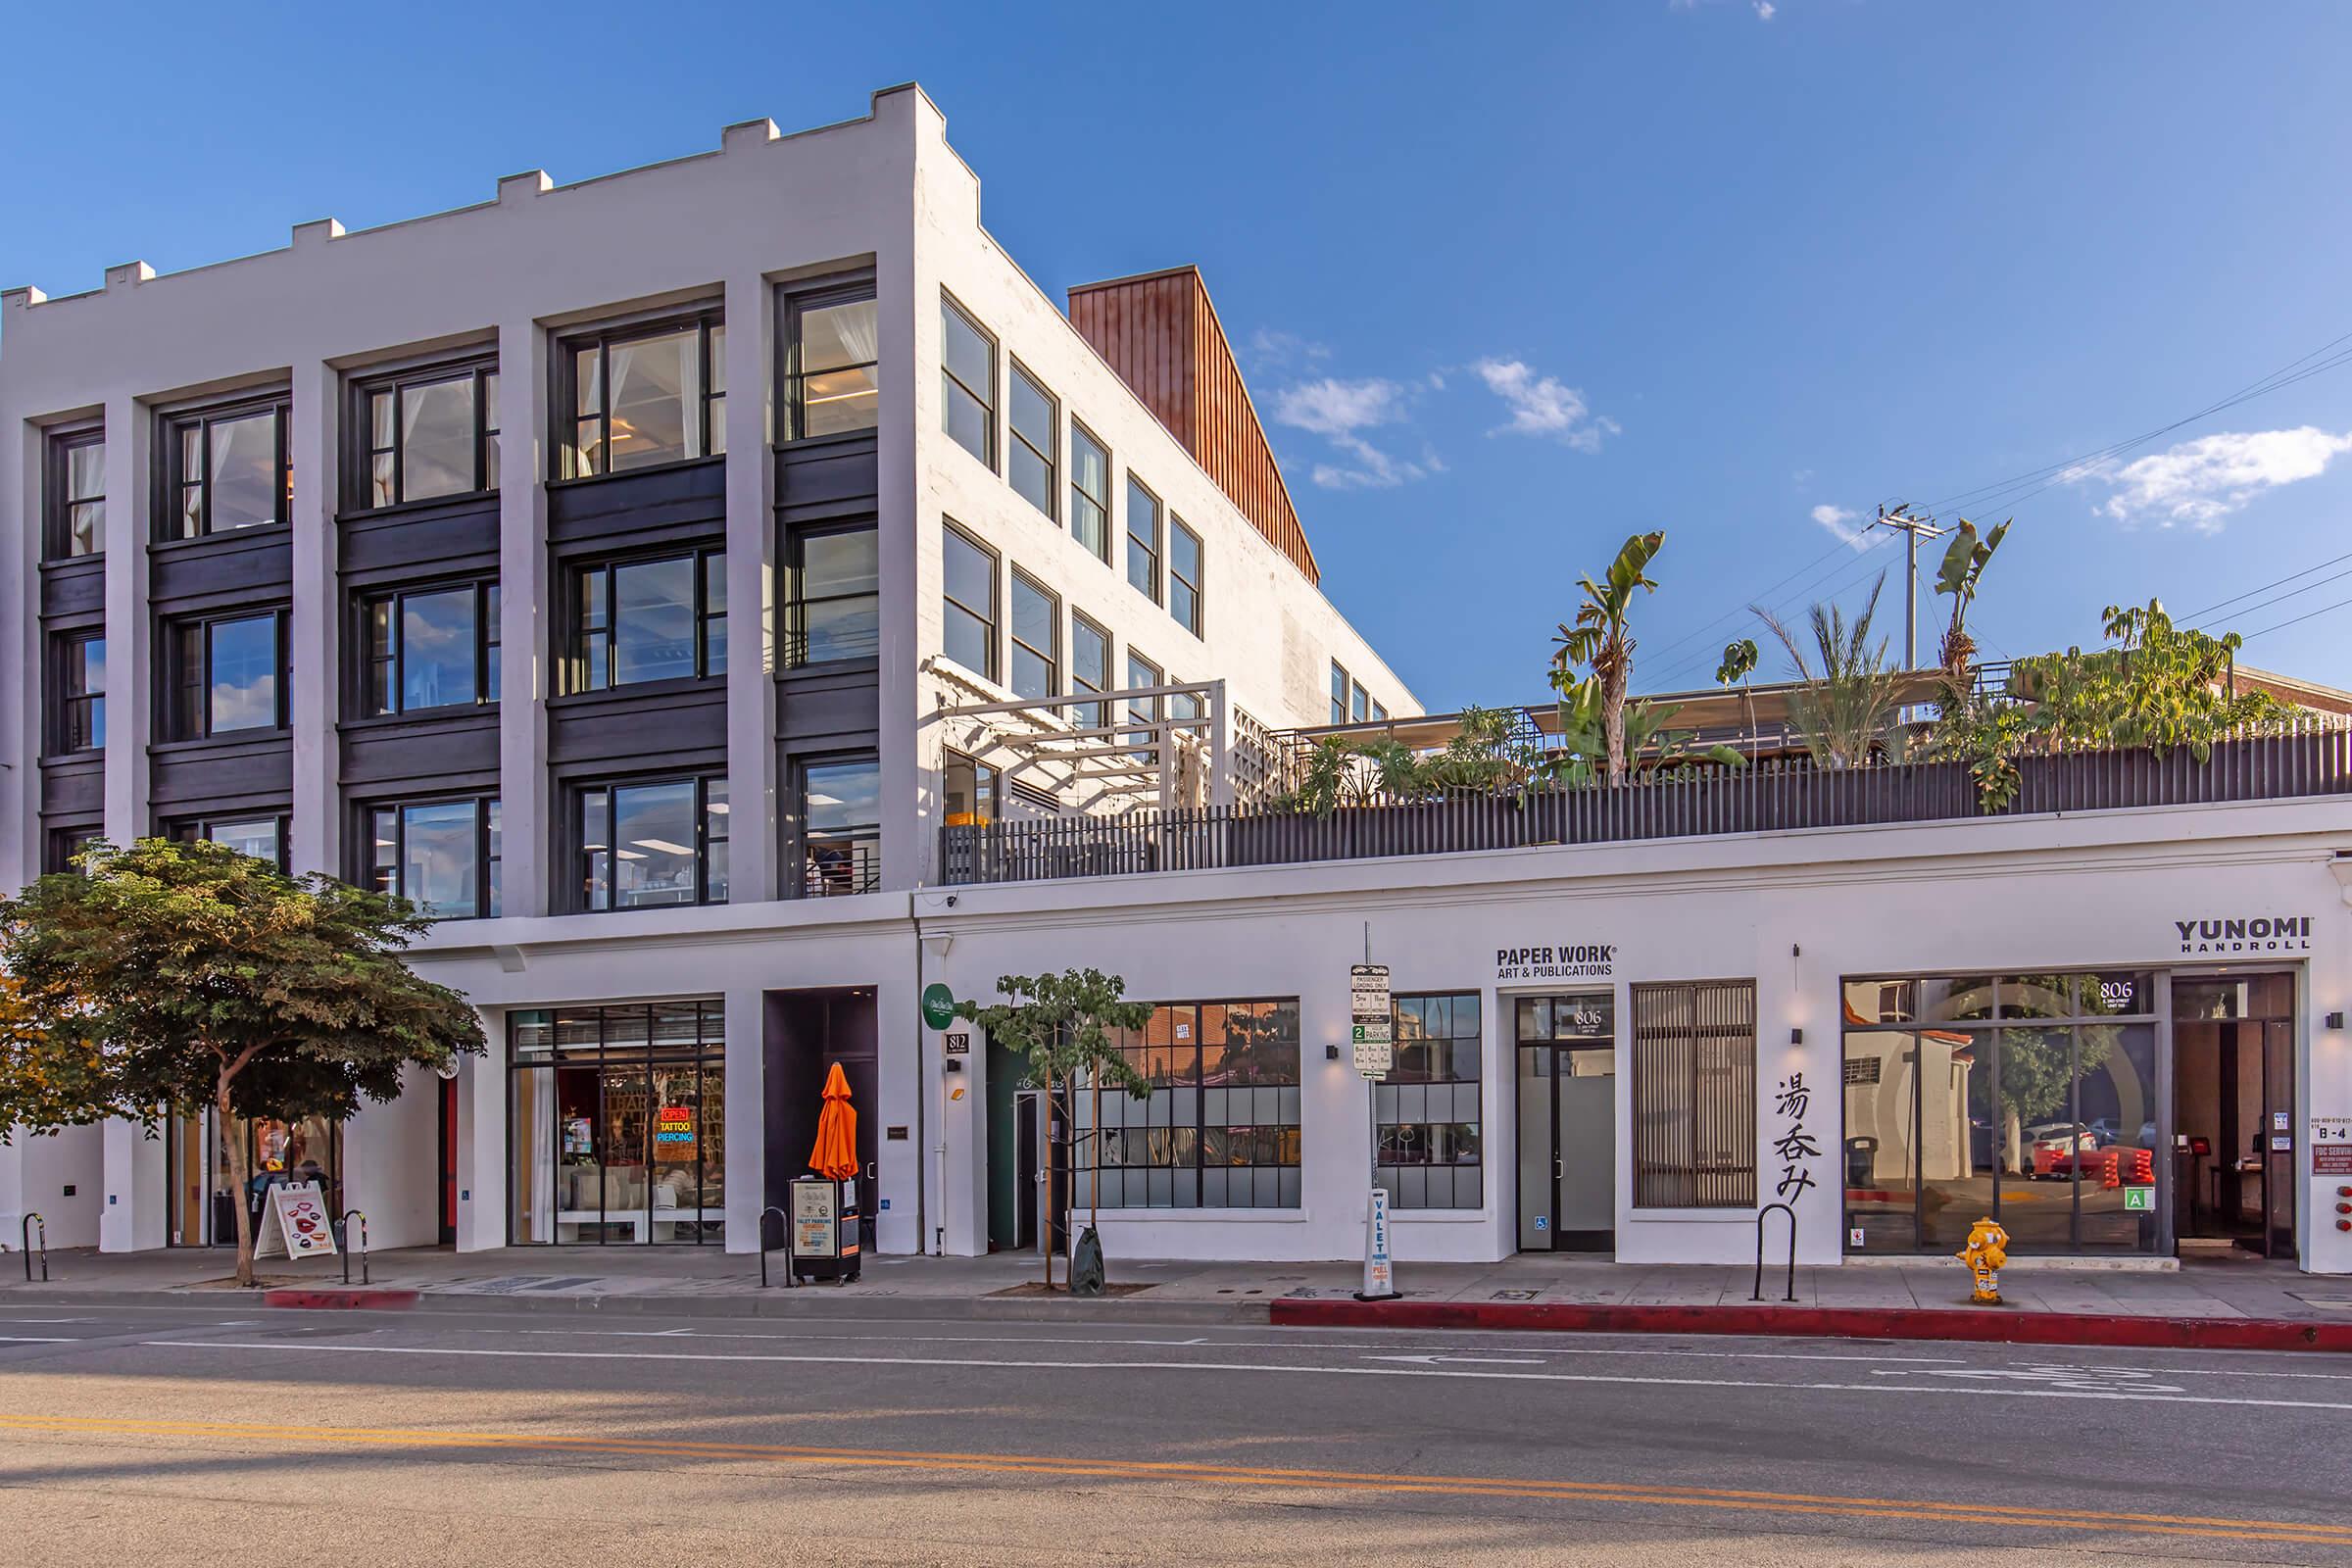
(700, 1280)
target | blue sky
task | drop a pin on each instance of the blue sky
(1509, 286)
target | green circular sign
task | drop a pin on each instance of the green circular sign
(939, 1005)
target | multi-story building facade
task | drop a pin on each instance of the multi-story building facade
(732, 599)
(611, 569)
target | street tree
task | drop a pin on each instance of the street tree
(165, 978)
(1060, 1025)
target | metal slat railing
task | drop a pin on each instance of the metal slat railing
(1775, 796)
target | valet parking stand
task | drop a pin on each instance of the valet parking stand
(824, 1205)
(825, 1229)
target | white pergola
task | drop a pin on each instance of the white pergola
(1147, 755)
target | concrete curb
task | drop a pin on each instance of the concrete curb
(1982, 1324)
(815, 1302)
(358, 1299)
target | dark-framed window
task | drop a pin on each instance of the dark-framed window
(1432, 1143)
(227, 673)
(616, 1124)
(1036, 638)
(1090, 491)
(1184, 575)
(1141, 673)
(424, 434)
(226, 468)
(841, 825)
(832, 592)
(428, 648)
(659, 618)
(440, 854)
(79, 721)
(1143, 539)
(1089, 669)
(64, 844)
(967, 382)
(75, 495)
(641, 396)
(1340, 684)
(832, 356)
(1695, 1095)
(1221, 1127)
(647, 843)
(969, 791)
(969, 601)
(260, 834)
(1035, 415)
(1380, 714)
(1360, 705)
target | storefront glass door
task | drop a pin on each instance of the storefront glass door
(1567, 1061)
(2233, 1095)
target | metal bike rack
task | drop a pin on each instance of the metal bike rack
(791, 1267)
(25, 1241)
(359, 1246)
(1758, 1294)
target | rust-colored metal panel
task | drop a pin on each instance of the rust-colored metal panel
(1160, 332)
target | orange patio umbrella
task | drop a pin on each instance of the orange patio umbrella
(835, 1157)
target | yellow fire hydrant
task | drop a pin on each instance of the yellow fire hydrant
(1986, 1251)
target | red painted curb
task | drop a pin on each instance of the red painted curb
(1826, 1322)
(331, 1297)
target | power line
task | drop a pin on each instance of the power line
(2292, 593)
(2043, 478)
(2196, 615)
(2299, 620)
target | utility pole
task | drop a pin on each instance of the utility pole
(1913, 526)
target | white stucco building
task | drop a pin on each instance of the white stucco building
(734, 599)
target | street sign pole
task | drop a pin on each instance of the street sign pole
(1372, 1039)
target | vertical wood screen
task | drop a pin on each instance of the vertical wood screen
(1695, 1095)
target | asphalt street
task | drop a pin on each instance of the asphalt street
(170, 1435)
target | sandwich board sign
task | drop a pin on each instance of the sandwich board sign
(295, 1223)
(1369, 1029)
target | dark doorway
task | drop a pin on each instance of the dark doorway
(2233, 1105)
(807, 1032)
(1013, 1199)
(448, 1161)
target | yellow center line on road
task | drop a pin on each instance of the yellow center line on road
(1653, 1494)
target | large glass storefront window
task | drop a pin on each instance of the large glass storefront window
(1220, 1129)
(2031, 1099)
(616, 1124)
(1430, 1146)
(201, 1211)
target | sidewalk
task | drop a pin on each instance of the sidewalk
(2246, 1302)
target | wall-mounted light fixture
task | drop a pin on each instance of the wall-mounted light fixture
(1331, 1053)
(2336, 1021)
(1796, 1037)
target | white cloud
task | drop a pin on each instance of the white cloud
(1269, 352)
(1335, 407)
(2201, 482)
(1841, 522)
(1543, 406)
(1337, 410)
(1766, 10)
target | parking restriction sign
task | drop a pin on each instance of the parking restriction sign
(1369, 1030)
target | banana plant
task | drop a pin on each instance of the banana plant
(1964, 562)
(1601, 640)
